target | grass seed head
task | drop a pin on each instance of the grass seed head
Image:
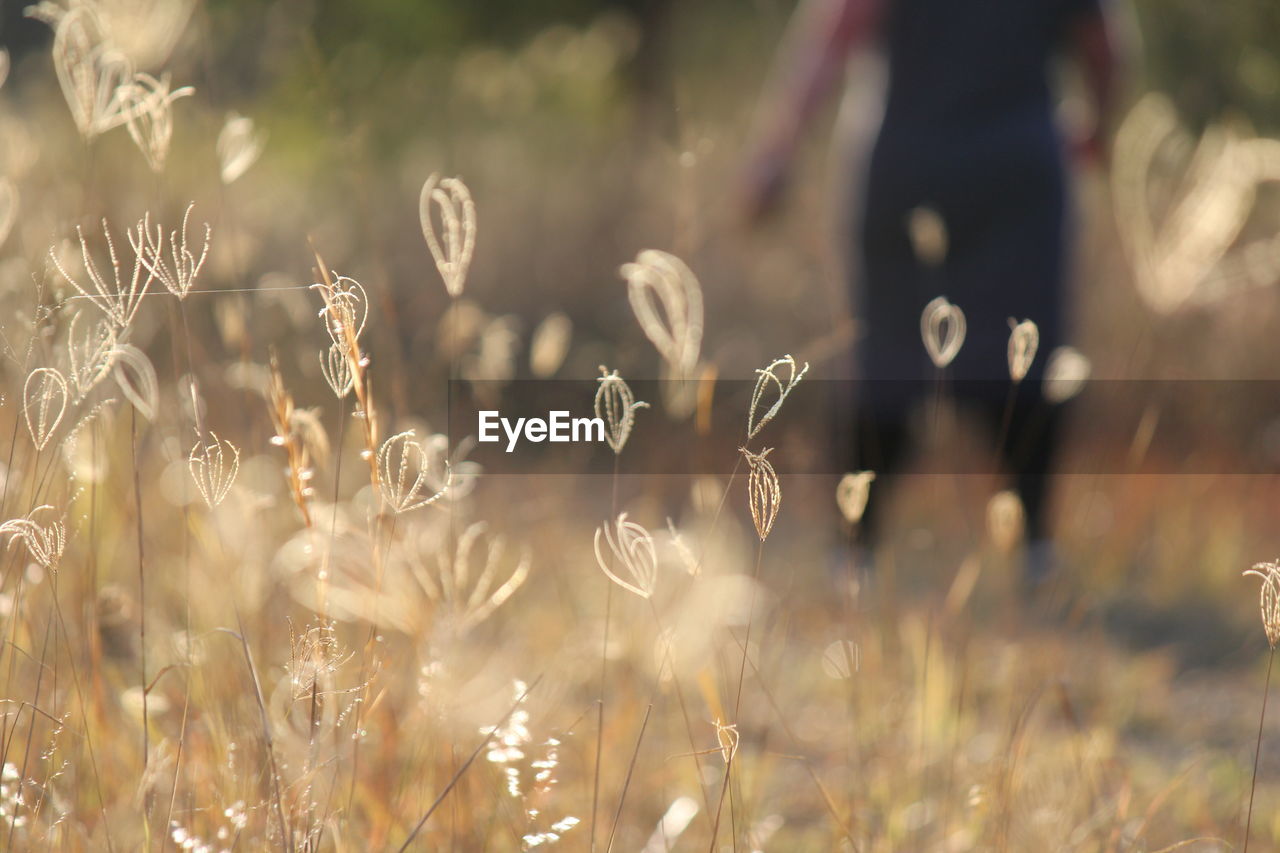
(1065, 373)
(239, 146)
(942, 327)
(769, 378)
(403, 464)
(764, 492)
(1269, 599)
(634, 552)
(44, 542)
(453, 247)
(214, 466)
(1024, 340)
(852, 493)
(616, 406)
(44, 402)
(667, 300)
(149, 110)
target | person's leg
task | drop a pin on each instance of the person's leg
(1027, 434)
(880, 444)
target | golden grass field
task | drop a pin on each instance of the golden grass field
(256, 595)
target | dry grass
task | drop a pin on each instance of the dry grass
(241, 611)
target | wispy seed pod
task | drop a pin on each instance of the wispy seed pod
(92, 74)
(852, 493)
(178, 272)
(136, 377)
(44, 402)
(336, 370)
(239, 146)
(928, 233)
(214, 466)
(767, 379)
(634, 551)
(1065, 374)
(1269, 599)
(1024, 340)
(118, 297)
(402, 463)
(1006, 520)
(942, 327)
(667, 300)
(457, 227)
(727, 737)
(90, 356)
(345, 311)
(550, 344)
(473, 595)
(149, 107)
(841, 659)
(45, 543)
(616, 406)
(764, 492)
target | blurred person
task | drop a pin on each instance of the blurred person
(965, 195)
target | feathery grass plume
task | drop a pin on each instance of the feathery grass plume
(118, 297)
(336, 370)
(1269, 607)
(403, 464)
(44, 402)
(1024, 340)
(93, 74)
(1186, 247)
(451, 474)
(494, 362)
(727, 737)
(550, 344)
(472, 596)
(90, 356)
(316, 656)
(764, 492)
(616, 406)
(928, 234)
(457, 224)
(281, 410)
(345, 311)
(667, 300)
(44, 542)
(4, 65)
(1006, 520)
(150, 115)
(767, 378)
(214, 466)
(633, 548)
(178, 277)
(942, 328)
(1065, 373)
(8, 208)
(239, 146)
(1269, 599)
(841, 659)
(136, 377)
(852, 493)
